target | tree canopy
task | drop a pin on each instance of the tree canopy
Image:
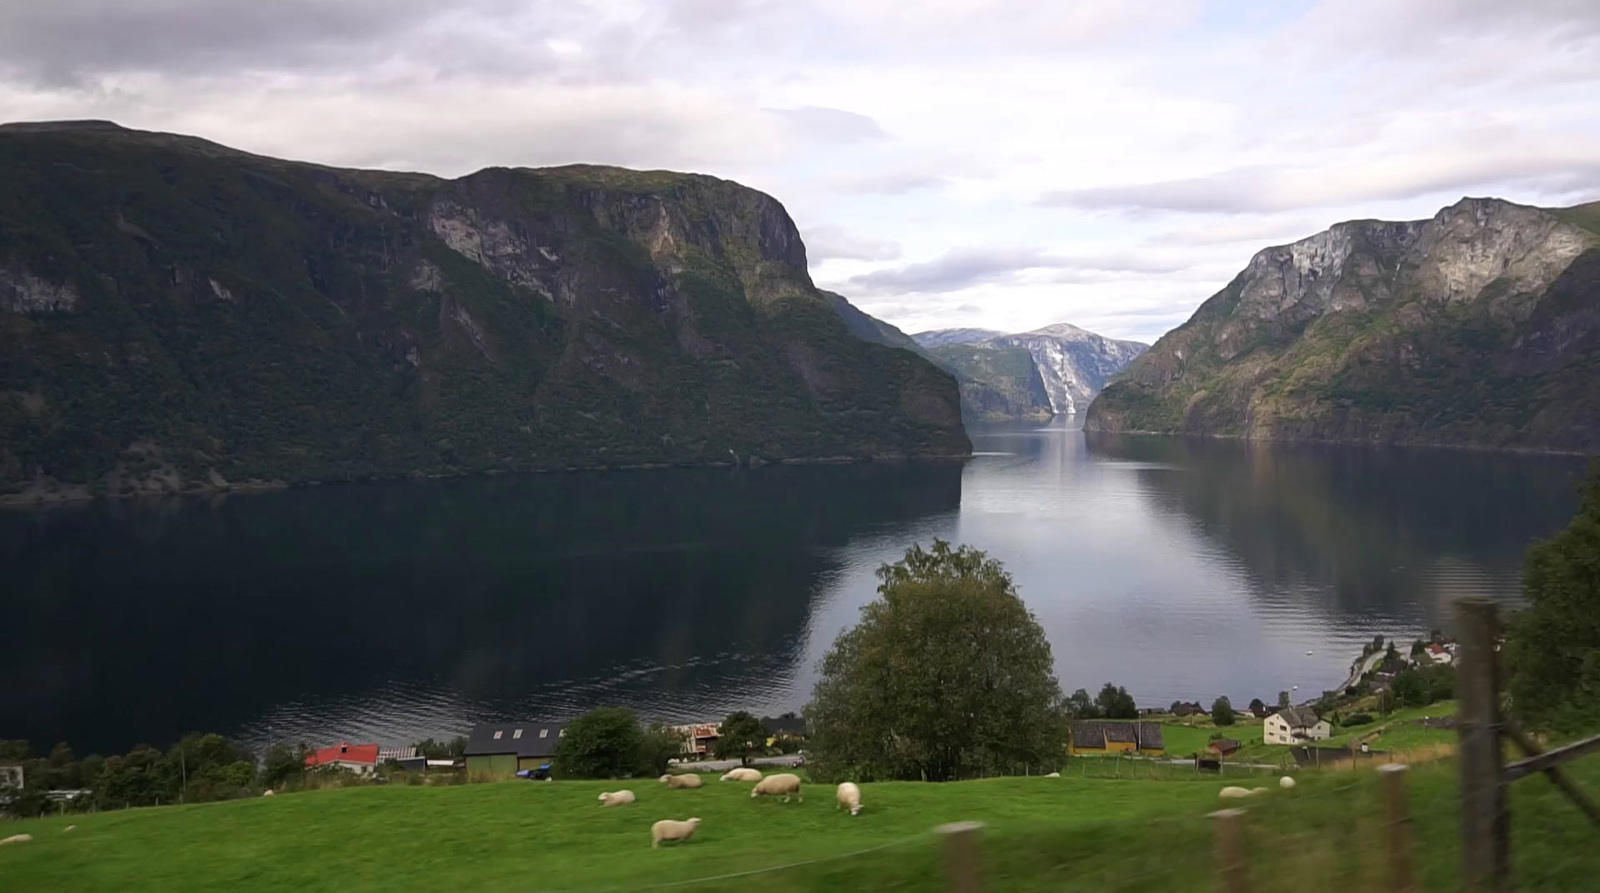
(741, 736)
(603, 743)
(948, 675)
(1114, 702)
(1553, 646)
(1222, 711)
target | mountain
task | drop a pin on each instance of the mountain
(176, 315)
(870, 328)
(1478, 327)
(1049, 371)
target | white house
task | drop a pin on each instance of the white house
(1293, 725)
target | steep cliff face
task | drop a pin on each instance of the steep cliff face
(177, 315)
(1049, 371)
(1478, 327)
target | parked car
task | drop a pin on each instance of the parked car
(540, 774)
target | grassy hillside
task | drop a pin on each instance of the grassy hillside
(1060, 834)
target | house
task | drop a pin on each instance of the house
(786, 726)
(501, 748)
(699, 738)
(1223, 747)
(1095, 736)
(1292, 725)
(407, 757)
(361, 759)
(1440, 654)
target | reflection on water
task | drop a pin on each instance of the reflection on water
(1182, 569)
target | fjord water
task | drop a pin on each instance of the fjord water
(1182, 569)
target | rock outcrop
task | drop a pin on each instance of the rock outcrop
(1479, 327)
(177, 315)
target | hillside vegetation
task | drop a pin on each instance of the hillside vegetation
(176, 315)
(1479, 327)
(1064, 834)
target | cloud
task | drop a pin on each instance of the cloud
(964, 268)
(828, 242)
(1274, 189)
(836, 125)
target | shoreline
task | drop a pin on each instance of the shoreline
(56, 494)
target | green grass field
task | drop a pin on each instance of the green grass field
(1041, 834)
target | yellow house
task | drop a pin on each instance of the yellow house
(1095, 736)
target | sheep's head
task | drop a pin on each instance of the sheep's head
(666, 777)
(854, 810)
(694, 822)
(603, 797)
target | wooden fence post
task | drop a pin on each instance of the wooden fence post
(961, 856)
(1399, 815)
(1485, 822)
(1231, 866)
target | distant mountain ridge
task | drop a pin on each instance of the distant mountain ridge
(1048, 371)
(1477, 327)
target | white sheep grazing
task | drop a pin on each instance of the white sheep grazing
(849, 797)
(267, 792)
(616, 798)
(69, 828)
(1232, 792)
(667, 829)
(1053, 775)
(16, 838)
(742, 774)
(687, 780)
(1286, 782)
(784, 784)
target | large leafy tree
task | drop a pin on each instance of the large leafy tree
(603, 743)
(1115, 703)
(1553, 646)
(1222, 711)
(740, 736)
(947, 676)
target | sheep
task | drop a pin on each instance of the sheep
(1232, 792)
(1256, 792)
(742, 774)
(1286, 782)
(849, 797)
(667, 829)
(267, 792)
(69, 828)
(616, 798)
(16, 838)
(687, 780)
(784, 784)
(1053, 775)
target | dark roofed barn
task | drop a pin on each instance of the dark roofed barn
(501, 748)
(1110, 736)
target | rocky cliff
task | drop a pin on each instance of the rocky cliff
(1049, 371)
(176, 315)
(1478, 327)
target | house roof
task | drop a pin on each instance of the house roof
(1224, 745)
(1299, 717)
(1098, 733)
(524, 739)
(343, 752)
(792, 725)
(397, 753)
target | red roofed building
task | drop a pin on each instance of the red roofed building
(358, 758)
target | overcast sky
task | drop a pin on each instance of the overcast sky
(991, 163)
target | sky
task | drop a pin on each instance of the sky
(985, 163)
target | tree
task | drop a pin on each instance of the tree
(742, 736)
(659, 745)
(1418, 648)
(1081, 706)
(1115, 703)
(454, 749)
(947, 675)
(282, 763)
(1386, 702)
(1222, 711)
(603, 743)
(1173, 708)
(1553, 646)
(1283, 700)
(1257, 708)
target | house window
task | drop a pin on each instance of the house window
(497, 734)
(544, 733)
(517, 734)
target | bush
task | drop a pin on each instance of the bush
(603, 743)
(657, 748)
(1222, 712)
(740, 735)
(1357, 719)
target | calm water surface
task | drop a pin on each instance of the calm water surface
(1181, 569)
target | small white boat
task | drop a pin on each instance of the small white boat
(1308, 654)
